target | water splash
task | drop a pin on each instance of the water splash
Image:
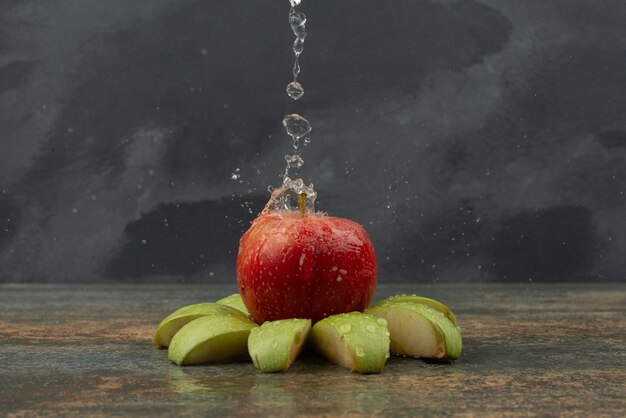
(294, 161)
(287, 196)
(295, 90)
(297, 20)
(296, 126)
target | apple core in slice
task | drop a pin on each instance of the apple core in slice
(181, 317)
(420, 331)
(275, 345)
(357, 341)
(211, 339)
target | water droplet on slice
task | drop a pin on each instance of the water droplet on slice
(370, 327)
(298, 46)
(381, 321)
(297, 20)
(359, 352)
(275, 344)
(295, 90)
(344, 328)
(294, 161)
(296, 125)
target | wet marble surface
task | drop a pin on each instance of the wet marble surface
(528, 350)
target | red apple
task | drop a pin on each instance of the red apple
(295, 266)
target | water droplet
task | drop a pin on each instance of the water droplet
(294, 161)
(295, 90)
(294, 3)
(296, 68)
(387, 355)
(345, 328)
(387, 333)
(359, 352)
(296, 125)
(370, 327)
(307, 140)
(381, 321)
(235, 176)
(298, 46)
(275, 344)
(297, 20)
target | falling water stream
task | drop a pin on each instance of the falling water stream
(297, 127)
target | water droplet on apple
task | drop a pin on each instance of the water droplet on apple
(387, 355)
(359, 352)
(387, 333)
(275, 344)
(370, 327)
(345, 328)
(381, 321)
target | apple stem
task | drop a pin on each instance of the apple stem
(302, 203)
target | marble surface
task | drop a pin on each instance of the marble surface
(528, 350)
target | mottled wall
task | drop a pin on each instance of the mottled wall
(475, 140)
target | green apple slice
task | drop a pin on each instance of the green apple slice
(420, 331)
(181, 317)
(234, 301)
(275, 345)
(211, 339)
(436, 305)
(357, 341)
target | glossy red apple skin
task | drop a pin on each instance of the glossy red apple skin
(290, 266)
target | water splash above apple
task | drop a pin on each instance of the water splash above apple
(286, 198)
(294, 195)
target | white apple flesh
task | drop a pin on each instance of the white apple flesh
(357, 341)
(418, 330)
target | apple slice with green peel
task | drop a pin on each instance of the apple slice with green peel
(436, 305)
(181, 317)
(275, 345)
(420, 331)
(234, 301)
(357, 341)
(211, 339)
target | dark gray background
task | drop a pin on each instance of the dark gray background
(475, 140)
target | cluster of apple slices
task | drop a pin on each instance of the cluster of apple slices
(361, 342)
